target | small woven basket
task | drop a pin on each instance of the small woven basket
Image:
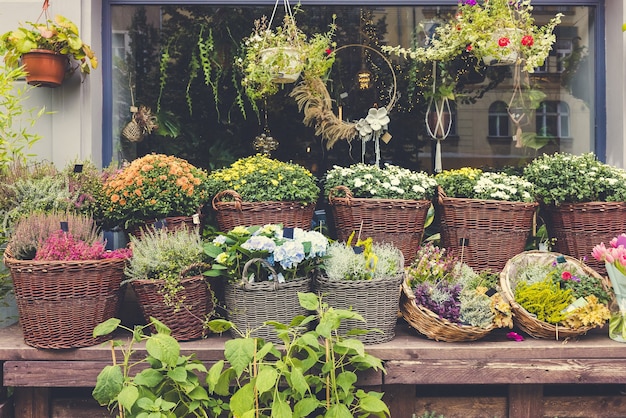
(375, 300)
(578, 227)
(170, 223)
(235, 212)
(486, 233)
(196, 303)
(61, 302)
(524, 319)
(250, 304)
(396, 221)
(426, 322)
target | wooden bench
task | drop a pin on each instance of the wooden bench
(486, 378)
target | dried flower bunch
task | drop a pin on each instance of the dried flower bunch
(154, 187)
(560, 293)
(454, 292)
(389, 182)
(291, 252)
(259, 178)
(567, 178)
(473, 183)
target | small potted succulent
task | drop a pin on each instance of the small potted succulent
(274, 56)
(56, 45)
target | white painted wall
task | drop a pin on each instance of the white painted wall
(616, 83)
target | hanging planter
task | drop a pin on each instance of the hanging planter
(45, 68)
(286, 63)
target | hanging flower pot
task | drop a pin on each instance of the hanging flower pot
(285, 63)
(507, 52)
(45, 68)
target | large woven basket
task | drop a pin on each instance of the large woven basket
(60, 302)
(376, 300)
(486, 233)
(187, 321)
(427, 323)
(250, 304)
(521, 317)
(170, 223)
(234, 212)
(578, 227)
(396, 221)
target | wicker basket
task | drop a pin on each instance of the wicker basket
(60, 302)
(432, 326)
(522, 318)
(170, 223)
(486, 233)
(396, 221)
(235, 212)
(376, 300)
(578, 227)
(249, 305)
(187, 322)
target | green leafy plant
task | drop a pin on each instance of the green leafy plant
(314, 375)
(168, 387)
(567, 178)
(388, 182)
(60, 35)
(259, 178)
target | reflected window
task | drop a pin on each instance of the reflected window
(553, 119)
(498, 120)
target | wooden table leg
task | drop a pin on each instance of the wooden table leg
(525, 401)
(32, 402)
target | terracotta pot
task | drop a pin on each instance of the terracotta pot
(45, 68)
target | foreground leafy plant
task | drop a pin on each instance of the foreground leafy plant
(314, 375)
(168, 388)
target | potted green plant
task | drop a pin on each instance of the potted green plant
(274, 56)
(155, 189)
(583, 201)
(264, 268)
(388, 204)
(363, 276)
(54, 43)
(259, 190)
(485, 217)
(165, 272)
(65, 281)
(445, 300)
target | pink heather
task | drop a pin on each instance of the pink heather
(62, 246)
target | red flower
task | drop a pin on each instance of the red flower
(504, 41)
(566, 275)
(468, 48)
(329, 51)
(527, 40)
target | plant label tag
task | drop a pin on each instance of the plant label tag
(196, 219)
(288, 233)
(464, 242)
(357, 250)
(386, 137)
(490, 292)
(78, 168)
(578, 303)
(64, 226)
(161, 223)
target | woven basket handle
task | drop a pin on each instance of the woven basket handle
(245, 283)
(441, 194)
(193, 267)
(345, 190)
(231, 193)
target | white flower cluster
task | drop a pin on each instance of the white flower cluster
(502, 186)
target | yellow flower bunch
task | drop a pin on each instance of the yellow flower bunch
(259, 178)
(153, 187)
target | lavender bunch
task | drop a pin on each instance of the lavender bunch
(442, 298)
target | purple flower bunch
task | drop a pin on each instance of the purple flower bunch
(442, 298)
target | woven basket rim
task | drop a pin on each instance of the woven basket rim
(494, 202)
(528, 322)
(379, 279)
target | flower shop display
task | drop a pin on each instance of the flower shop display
(388, 204)
(65, 281)
(445, 300)
(48, 51)
(365, 278)
(582, 201)
(614, 258)
(486, 218)
(259, 190)
(554, 295)
(275, 56)
(165, 272)
(264, 268)
(156, 190)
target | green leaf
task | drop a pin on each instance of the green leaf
(220, 325)
(161, 328)
(305, 407)
(108, 384)
(266, 379)
(338, 411)
(280, 409)
(352, 344)
(242, 400)
(149, 378)
(309, 301)
(212, 250)
(128, 396)
(346, 381)
(163, 348)
(214, 374)
(198, 394)
(179, 374)
(297, 380)
(106, 327)
(373, 405)
(239, 352)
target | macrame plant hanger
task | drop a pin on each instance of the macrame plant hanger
(132, 130)
(438, 109)
(517, 105)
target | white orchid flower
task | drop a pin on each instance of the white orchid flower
(363, 127)
(377, 118)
